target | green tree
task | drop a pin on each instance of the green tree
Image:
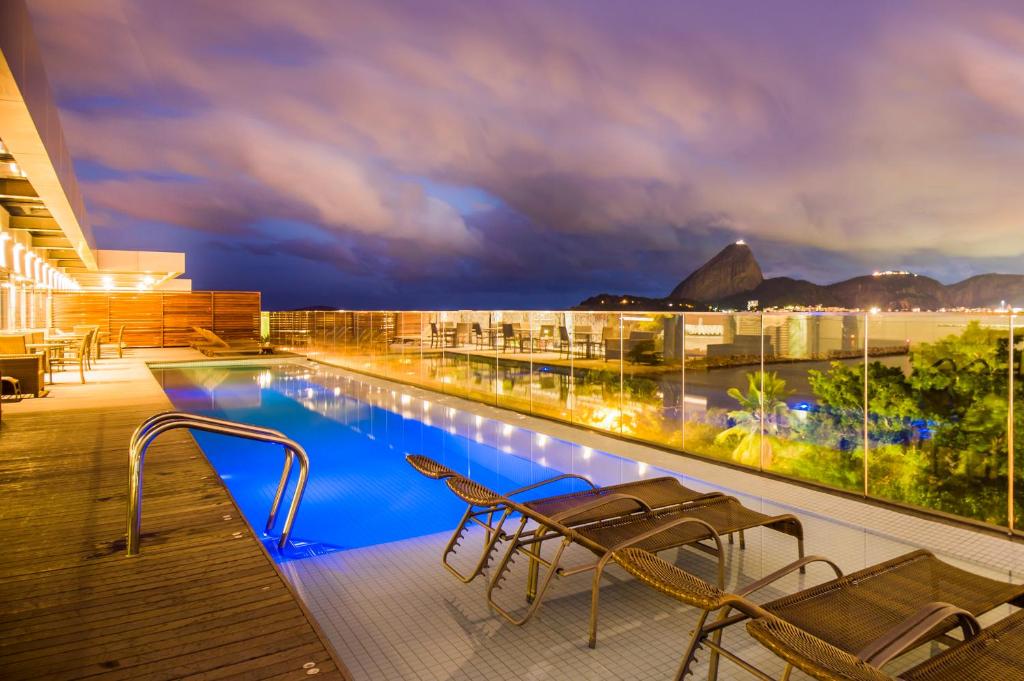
(745, 432)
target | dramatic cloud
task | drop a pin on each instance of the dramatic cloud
(532, 152)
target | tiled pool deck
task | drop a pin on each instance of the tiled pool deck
(393, 612)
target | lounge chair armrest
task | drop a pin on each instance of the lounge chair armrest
(548, 481)
(785, 570)
(569, 513)
(653, 532)
(907, 633)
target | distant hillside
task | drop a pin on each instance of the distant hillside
(733, 277)
(987, 290)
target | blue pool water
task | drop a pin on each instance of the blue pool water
(361, 491)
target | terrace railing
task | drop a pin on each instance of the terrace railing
(912, 408)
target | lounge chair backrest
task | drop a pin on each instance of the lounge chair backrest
(563, 334)
(477, 329)
(429, 467)
(508, 331)
(13, 344)
(818, 659)
(120, 335)
(214, 338)
(433, 328)
(584, 328)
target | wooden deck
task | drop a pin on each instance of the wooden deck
(203, 600)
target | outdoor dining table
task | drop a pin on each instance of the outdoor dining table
(49, 349)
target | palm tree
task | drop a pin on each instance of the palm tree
(746, 428)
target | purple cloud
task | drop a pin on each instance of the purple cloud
(613, 141)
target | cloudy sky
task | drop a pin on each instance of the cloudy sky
(529, 153)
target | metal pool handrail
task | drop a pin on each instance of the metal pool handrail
(160, 423)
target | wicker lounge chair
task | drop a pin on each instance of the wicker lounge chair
(876, 612)
(658, 530)
(215, 345)
(995, 653)
(655, 492)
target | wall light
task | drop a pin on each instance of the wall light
(17, 258)
(108, 282)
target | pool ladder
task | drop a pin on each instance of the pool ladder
(160, 423)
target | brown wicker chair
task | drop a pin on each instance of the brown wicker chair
(876, 612)
(655, 492)
(995, 653)
(76, 355)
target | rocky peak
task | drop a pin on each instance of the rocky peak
(733, 270)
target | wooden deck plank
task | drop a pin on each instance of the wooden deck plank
(198, 602)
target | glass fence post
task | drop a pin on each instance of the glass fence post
(1011, 387)
(866, 402)
(760, 400)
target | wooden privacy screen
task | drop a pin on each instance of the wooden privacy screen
(161, 318)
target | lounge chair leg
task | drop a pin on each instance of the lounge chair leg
(543, 587)
(453, 544)
(731, 539)
(690, 655)
(81, 370)
(800, 553)
(786, 672)
(716, 638)
(595, 591)
(534, 567)
(743, 541)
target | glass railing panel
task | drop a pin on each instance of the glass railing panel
(938, 409)
(652, 376)
(721, 407)
(437, 375)
(597, 378)
(551, 379)
(404, 350)
(813, 395)
(478, 344)
(513, 360)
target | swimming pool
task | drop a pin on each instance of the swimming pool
(361, 491)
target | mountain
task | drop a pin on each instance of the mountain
(987, 290)
(733, 270)
(902, 291)
(733, 278)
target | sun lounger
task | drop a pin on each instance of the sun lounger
(683, 525)
(654, 492)
(996, 652)
(212, 345)
(876, 612)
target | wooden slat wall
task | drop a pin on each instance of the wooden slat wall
(142, 317)
(158, 318)
(236, 314)
(81, 308)
(182, 311)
